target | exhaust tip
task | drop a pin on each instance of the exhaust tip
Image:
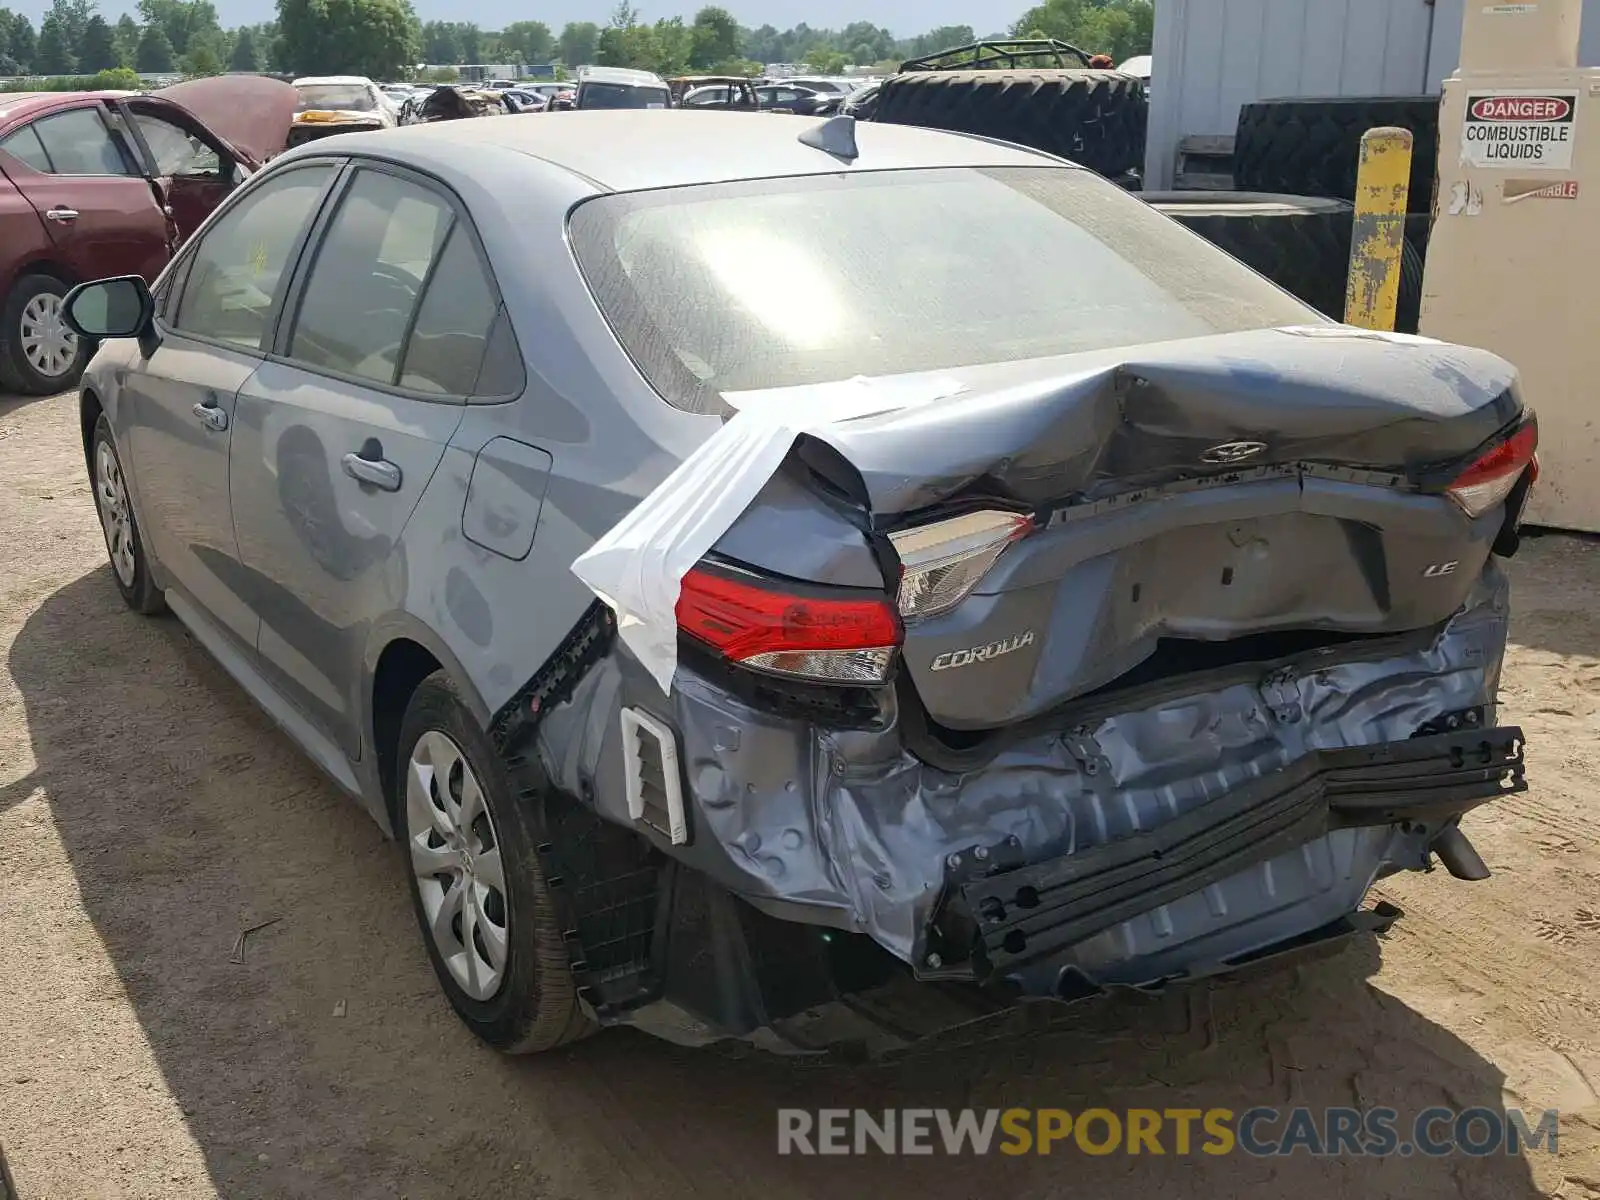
(1458, 855)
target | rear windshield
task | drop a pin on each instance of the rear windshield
(620, 95)
(346, 97)
(903, 271)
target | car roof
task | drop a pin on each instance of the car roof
(361, 79)
(22, 104)
(633, 149)
(622, 75)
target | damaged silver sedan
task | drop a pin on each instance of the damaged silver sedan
(1049, 605)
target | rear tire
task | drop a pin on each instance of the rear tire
(38, 355)
(1300, 243)
(130, 564)
(1312, 146)
(497, 948)
(1094, 118)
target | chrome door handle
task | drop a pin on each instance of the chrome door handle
(211, 416)
(64, 215)
(379, 472)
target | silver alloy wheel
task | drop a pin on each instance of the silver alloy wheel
(48, 345)
(116, 518)
(455, 855)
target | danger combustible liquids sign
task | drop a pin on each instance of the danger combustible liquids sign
(1524, 130)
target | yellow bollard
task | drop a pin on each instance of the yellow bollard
(1383, 185)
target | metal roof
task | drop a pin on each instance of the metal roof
(633, 149)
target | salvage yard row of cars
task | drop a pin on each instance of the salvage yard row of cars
(818, 679)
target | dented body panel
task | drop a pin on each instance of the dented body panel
(851, 830)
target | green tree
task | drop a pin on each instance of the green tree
(153, 55)
(244, 56)
(1120, 28)
(181, 20)
(946, 37)
(202, 58)
(24, 44)
(579, 43)
(470, 38)
(97, 49)
(528, 41)
(826, 62)
(54, 56)
(377, 38)
(72, 17)
(126, 37)
(439, 42)
(714, 38)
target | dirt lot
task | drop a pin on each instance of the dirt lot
(148, 812)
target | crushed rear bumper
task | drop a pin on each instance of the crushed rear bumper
(1002, 918)
(1170, 833)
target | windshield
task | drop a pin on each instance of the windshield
(619, 95)
(906, 271)
(345, 97)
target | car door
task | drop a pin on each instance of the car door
(87, 184)
(191, 171)
(338, 434)
(179, 403)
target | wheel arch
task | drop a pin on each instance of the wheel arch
(401, 653)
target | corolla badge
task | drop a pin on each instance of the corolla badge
(1232, 452)
(980, 654)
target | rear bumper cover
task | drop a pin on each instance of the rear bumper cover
(1275, 798)
(1015, 919)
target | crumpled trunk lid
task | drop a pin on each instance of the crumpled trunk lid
(1195, 504)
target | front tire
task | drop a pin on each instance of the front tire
(39, 355)
(130, 565)
(477, 885)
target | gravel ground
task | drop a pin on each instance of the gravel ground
(148, 813)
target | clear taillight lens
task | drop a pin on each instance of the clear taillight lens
(809, 634)
(1490, 480)
(941, 563)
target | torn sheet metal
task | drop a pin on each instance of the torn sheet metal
(1037, 433)
(638, 566)
(856, 831)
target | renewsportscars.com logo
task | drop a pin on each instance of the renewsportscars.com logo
(1259, 1132)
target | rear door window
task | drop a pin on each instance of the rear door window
(446, 347)
(237, 273)
(75, 142)
(367, 281)
(24, 146)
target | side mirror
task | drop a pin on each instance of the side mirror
(110, 308)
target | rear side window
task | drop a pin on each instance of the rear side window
(76, 142)
(904, 271)
(239, 269)
(24, 146)
(398, 294)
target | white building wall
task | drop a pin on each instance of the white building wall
(1211, 56)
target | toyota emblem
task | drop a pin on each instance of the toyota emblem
(1232, 452)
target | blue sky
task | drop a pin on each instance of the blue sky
(904, 18)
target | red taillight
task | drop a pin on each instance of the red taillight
(1490, 480)
(833, 640)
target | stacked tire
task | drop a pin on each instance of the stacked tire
(1094, 118)
(1311, 146)
(1301, 243)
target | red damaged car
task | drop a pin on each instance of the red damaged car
(111, 183)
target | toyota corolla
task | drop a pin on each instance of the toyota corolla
(1055, 605)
